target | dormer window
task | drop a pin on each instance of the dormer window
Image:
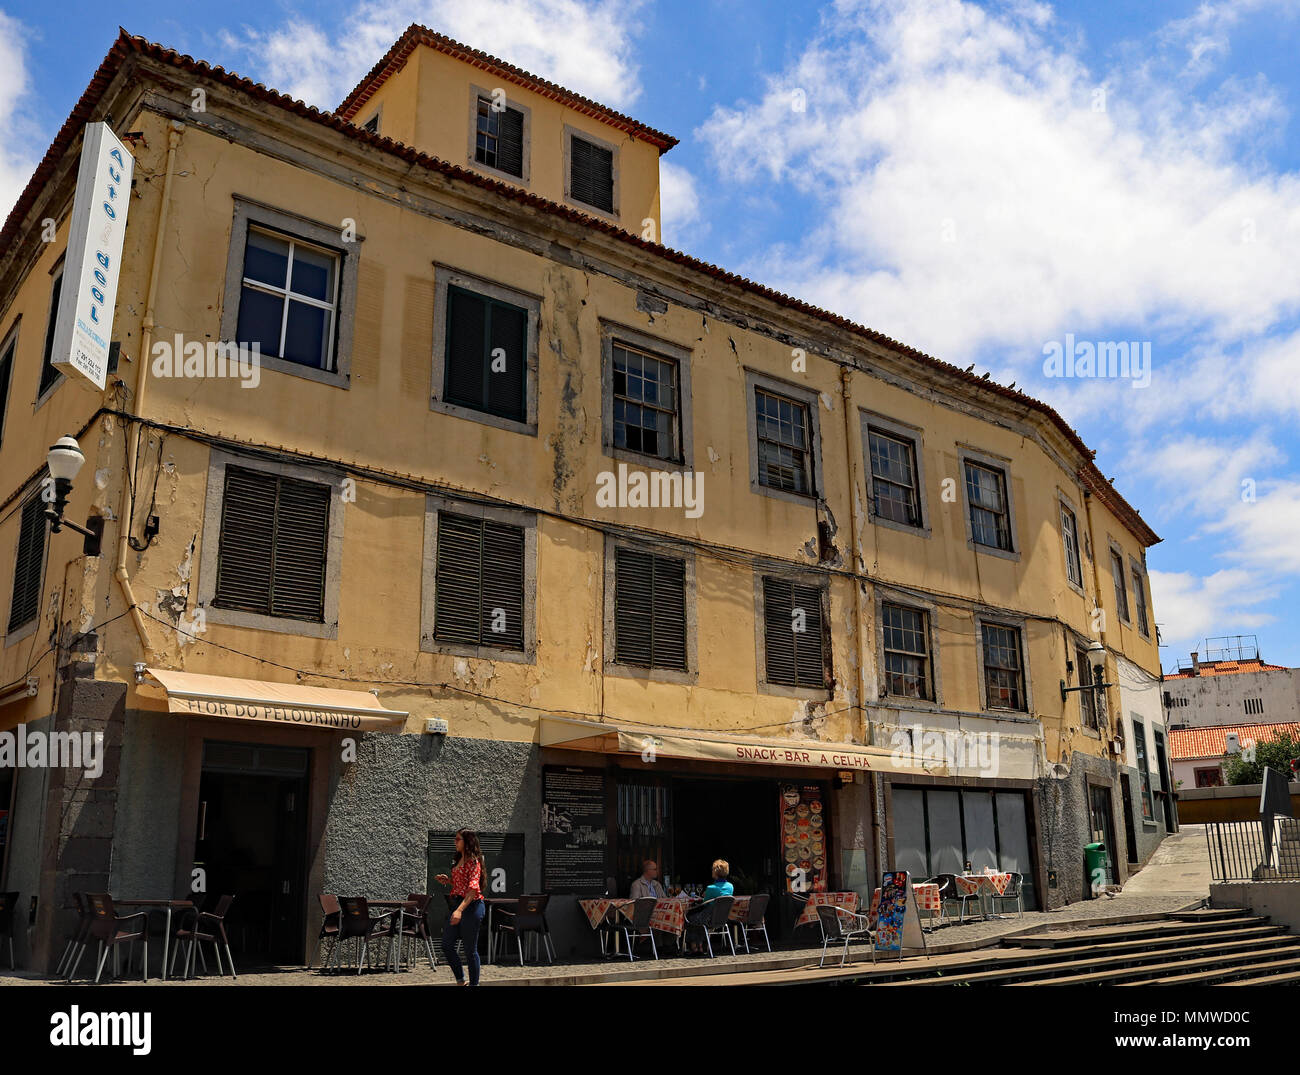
(372, 124)
(590, 173)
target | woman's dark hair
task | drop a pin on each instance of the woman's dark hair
(470, 840)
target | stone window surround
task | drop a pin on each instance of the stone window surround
(445, 276)
(967, 453)
(569, 134)
(10, 338)
(811, 400)
(29, 628)
(612, 332)
(803, 578)
(886, 596)
(995, 618)
(475, 92)
(1118, 550)
(210, 539)
(1067, 501)
(902, 431)
(525, 520)
(613, 667)
(250, 211)
(56, 270)
(1135, 567)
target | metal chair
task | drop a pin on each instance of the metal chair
(755, 920)
(215, 934)
(107, 927)
(833, 930)
(329, 927)
(945, 884)
(955, 892)
(528, 917)
(639, 926)
(712, 916)
(1013, 892)
(8, 901)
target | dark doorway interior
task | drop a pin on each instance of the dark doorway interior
(1103, 831)
(251, 841)
(1166, 799)
(1130, 835)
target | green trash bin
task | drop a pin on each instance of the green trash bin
(1096, 859)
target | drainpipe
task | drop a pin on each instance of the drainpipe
(136, 403)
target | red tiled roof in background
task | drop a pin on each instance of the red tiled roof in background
(1088, 474)
(1229, 668)
(1188, 744)
(395, 59)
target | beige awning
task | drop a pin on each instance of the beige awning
(228, 698)
(717, 746)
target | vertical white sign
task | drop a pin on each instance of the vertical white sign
(84, 327)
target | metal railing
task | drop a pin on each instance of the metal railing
(1254, 850)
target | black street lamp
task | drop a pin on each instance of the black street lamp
(64, 461)
(1096, 671)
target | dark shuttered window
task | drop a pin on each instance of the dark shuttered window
(49, 371)
(487, 354)
(30, 560)
(6, 376)
(649, 609)
(274, 537)
(499, 138)
(591, 174)
(479, 582)
(793, 634)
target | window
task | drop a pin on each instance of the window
(479, 582)
(986, 493)
(6, 377)
(907, 652)
(646, 403)
(1087, 699)
(272, 547)
(794, 635)
(50, 373)
(499, 137)
(1070, 538)
(289, 300)
(783, 443)
(1254, 706)
(1140, 599)
(1209, 778)
(29, 562)
(591, 173)
(1140, 751)
(372, 124)
(1004, 676)
(1121, 594)
(650, 625)
(486, 354)
(894, 485)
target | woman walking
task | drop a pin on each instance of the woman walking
(466, 916)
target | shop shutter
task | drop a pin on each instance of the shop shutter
(273, 545)
(28, 564)
(591, 174)
(503, 855)
(510, 142)
(649, 609)
(480, 569)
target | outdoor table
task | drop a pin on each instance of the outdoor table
(160, 905)
(401, 907)
(848, 901)
(984, 885)
(927, 899)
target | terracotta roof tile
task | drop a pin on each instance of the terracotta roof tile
(1186, 744)
(1229, 668)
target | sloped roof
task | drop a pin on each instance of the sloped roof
(1188, 744)
(1229, 668)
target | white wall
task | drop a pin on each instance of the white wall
(1216, 700)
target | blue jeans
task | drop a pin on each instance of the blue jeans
(467, 932)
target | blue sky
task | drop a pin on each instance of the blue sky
(980, 180)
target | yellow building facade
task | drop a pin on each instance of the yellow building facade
(385, 598)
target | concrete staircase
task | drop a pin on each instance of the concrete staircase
(1206, 947)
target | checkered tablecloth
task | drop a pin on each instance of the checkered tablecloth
(970, 884)
(927, 899)
(669, 914)
(846, 900)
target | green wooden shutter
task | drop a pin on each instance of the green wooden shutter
(457, 579)
(301, 543)
(466, 334)
(510, 142)
(793, 659)
(507, 330)
(809, 647)
(29, 563)
(49, 371)
(669, 612)
(649, 609)
(591, 174)
(503, 584)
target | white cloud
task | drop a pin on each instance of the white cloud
(679, 204)
(20, 159)
(584, 45)
(1189, 607)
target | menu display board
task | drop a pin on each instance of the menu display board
(574, 835)
(804, 841)
(898, 920)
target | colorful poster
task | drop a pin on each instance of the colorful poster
(892, 914)
(804, 840)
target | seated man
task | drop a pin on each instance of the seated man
(647, 884)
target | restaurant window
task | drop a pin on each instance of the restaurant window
(1070, 539)
(1004, 674)
(1121, 594)
(6, 378)
(288, 303)
(591, 173)
(479, 582)
(1140, 599)
(499, 137)
(794, 634)
(907, 652)
(784, 458)
(990, 516)
(486, 354)
(1087, 699)
(29, 563)
(50, 373)
(272, 546)
(646, 403)
(650, 627)
(895, 493)
(1140, 754)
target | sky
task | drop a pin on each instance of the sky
(1005, 184)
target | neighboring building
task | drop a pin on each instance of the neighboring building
(1233, 685)
(1146, 782)
(1198, 754)
(836, 645)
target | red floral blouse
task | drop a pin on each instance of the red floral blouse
(466, 878)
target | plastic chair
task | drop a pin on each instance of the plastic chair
(77, 941)
(755, 920)
(329, 927)
(528, 917)
(415, 926)
(833, 930)
(712, 916)
(107, 927)
(215, 934)
(954, 892)
(1013, 892)
(639, 927)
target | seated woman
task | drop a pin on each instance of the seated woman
(695, 917)
(721, 886)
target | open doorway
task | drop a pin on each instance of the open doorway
(251, 841)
